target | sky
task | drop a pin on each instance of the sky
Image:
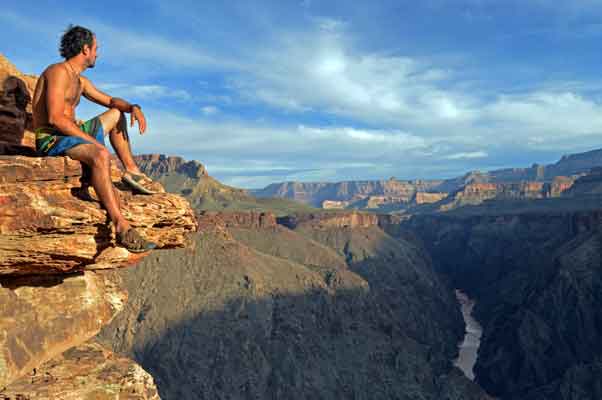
(307, 90)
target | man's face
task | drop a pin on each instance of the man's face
(90, 53)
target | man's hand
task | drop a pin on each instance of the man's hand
(138, 116)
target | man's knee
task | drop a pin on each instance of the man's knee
(110, 119)
(101, 157)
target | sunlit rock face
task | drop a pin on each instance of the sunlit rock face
(46, 228)
(40, 317)
(86, 371)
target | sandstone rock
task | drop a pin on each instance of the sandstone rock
(8, 69)
(15, 118)
(334, 205)
(45, 228)
(247, 220)
(330, 220)
(41, 317)
(427, 198)
(16, 90)
(87, 371)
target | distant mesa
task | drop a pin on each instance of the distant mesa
(472, 188)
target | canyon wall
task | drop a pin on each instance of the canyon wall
(257, 310)
(536, 279)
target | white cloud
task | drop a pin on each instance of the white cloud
(144, 91)
(209, 110)
(466, 155)
(124, 44)
(319, 70)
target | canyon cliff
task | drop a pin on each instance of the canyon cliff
(58, 287)
(537, 181)
(257, 310)
(535, 274)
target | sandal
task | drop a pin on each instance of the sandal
(139, 182)
(133, 242)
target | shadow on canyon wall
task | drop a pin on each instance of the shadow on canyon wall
(222, 320)
(537, 280)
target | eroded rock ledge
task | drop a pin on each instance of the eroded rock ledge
(46, 228)
(87, 371)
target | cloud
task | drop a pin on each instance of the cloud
(209, 110)
(145, 92)
(319, 70)
(318, 99)
(122, 44)
(466, 155)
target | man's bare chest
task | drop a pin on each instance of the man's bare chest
(74, 91)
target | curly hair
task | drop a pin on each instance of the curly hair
(74, 39)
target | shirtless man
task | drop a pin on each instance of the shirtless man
(56, 97)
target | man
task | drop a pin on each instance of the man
(55, 99)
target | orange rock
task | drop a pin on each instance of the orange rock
(45, 228)
(324, 220)
(85, 372)
(40, 317)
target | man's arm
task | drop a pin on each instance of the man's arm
(58, 83)
(93, 94)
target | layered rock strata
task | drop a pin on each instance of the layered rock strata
(158, 165)
(54, 238)
(40, 317)
(382, 191)
(86, 371)
(46, 228)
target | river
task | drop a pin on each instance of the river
(472, 339)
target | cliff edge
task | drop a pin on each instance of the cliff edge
(57, 255)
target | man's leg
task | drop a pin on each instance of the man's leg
(99, 159)
(114, 122)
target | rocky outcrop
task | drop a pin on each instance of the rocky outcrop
(157, 165)
(334, 205)
(54, 239)
(46, 228)
(245, 220)
(427, 198)
(477, 193)
(41, 317)
(8, 69)
(329, 220)
(87, 371)
(15, 116)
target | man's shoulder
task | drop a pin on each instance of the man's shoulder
(54, 70)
